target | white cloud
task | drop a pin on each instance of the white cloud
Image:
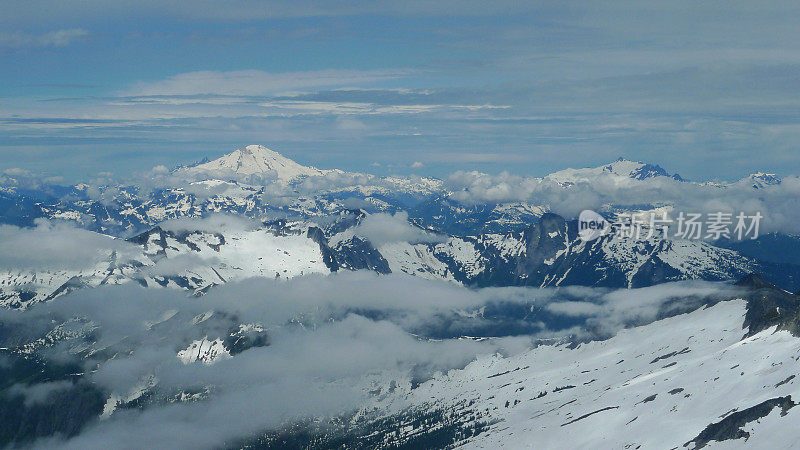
(383, 228)
(320, 369)
(349, 124)
(477, 187)
(573, 308)
(214, 223)
(38, 393)
(778, 204)
(17, 172)
(54, 246)
(258, 82)
(57, 38)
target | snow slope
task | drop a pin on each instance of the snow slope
(548, 253)
(256, 160)
(190, 260)
(657, 386)
(621, 169)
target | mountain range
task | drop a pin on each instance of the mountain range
(481, 245)
(256, 182)
(329, 309)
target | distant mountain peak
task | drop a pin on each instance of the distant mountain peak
(761, 179)
(621, 167)
(258, 160)
(635, 169)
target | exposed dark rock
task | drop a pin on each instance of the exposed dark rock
(670, 355)
(589, 414)
(649, 398)
(768, 306)
(731, 426)
(788, 379)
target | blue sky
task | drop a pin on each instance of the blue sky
(707, 90)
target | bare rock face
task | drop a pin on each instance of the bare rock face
(768, 306)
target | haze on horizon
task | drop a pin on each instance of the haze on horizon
(705, 90)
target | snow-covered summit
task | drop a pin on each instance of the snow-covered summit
(258, 160)
(622, 168)
(761, 179)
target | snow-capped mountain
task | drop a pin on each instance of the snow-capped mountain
(258, 182)
(255, 160)
(253, 280)
(491, 244)
(621, 168)
(193, 260)
(760, 179)
(548, 253)
(719, 368)
(446, 214)
(254, 182)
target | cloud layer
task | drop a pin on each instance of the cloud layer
(383, 228)
(56, 246)
(330, 341)
(777, 203)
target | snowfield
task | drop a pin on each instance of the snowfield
(656, 387)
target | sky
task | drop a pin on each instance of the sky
(708, 90)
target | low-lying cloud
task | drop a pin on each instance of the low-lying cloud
(330, 339)
(779, 204)
(56, 246)
(381, 228)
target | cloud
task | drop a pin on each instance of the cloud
(258, 82)
(777, 203)
(56, 246)
(477, 187)
(17, 172)
(106, 194)
(334, 180)
(214, 223)
(57, 38)
(718, 90)
(16, 177)
(348, 124)
(417, 165)
(572, 308)
(382, 228)
(301, 374)
(331, 341)
(38, 393)
(245, 10)
(320, 369)
(633, 307)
